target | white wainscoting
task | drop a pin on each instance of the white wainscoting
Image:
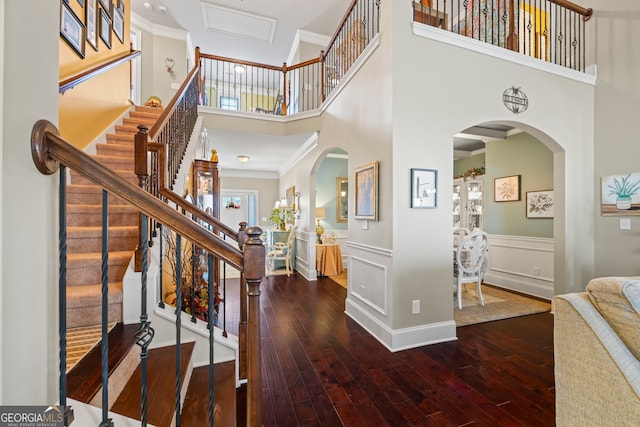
(306, 251)
(369, 301)
(523, 264)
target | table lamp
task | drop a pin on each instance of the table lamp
(321, 213)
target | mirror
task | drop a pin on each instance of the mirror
(289, 194)
(342, 199)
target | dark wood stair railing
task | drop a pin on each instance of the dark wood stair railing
(51, 152)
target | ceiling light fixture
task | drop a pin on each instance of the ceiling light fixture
(243, 159)
(239, 68)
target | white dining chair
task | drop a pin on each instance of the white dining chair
(471, 264)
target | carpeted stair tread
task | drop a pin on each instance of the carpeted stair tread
(114, 149)
(79, 179)
(127, 128)
(115, 162)
(89, 239)
(145, 114)
(91, 215)
(88, 194)
(139, 121)
(91, 295)
(148, 110)
(83, 268)
(121, 138)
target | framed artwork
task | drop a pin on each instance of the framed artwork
(366, 185)
(81, 3)
(118, 24)
(506, 189)
(424, 188)
(540, 204)
(91, 21)
(106, 5)
(342, 199)
(620, 195)
(121, 7)
(105, 27)
(72, 29)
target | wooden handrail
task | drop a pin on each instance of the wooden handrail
(168, 110)
(303, 64)
(199, 213)
(102, 67)
(586, 13)
(48, 149)
(240, 62)
(342, 22)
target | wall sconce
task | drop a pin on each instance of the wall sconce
(296, 205)
(169, 63)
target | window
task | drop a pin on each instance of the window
(228, 103)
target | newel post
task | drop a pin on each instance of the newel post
(284, 88)
(142, 171)
(254, 273)
(242, 327)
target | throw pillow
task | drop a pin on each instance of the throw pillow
(618, 300)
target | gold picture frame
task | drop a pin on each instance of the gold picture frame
(366, 185)
(290, 196)
(342, 199)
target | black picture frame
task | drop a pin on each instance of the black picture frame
(72, 30)
(117, 23)
(105, 27)
(81, 3)
(424, 188)
(121, 7)
(91, 22)
(106, 6)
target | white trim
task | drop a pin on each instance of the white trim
(373, 249)
(263, 117)
(402, 339)
(429, 32)
(158, 30)
(308, 37)
(383, 270)
(310, 144)
(338, 156)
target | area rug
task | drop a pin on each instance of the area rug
(340, 279)
(499, 304)
(81, 340)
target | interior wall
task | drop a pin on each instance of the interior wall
(425, 116)
(267, 190)
(29, 353)
(616, 27)
(326, 190)
(461, 166)
(523, 155)
(165, 84)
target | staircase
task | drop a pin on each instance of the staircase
(84, 207)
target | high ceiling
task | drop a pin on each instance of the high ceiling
(240, 25)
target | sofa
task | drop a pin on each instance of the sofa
(597, 354)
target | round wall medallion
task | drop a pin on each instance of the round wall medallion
(515, 100)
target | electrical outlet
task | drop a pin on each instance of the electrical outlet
(625, 223)
(415, 306)
(365, 225)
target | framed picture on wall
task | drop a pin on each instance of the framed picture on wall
(506, 189)
(540, 204)
(366, 185)
(91, 21)
(72, 29)
(106, 5)
(118, 24)
(105, 28)
(424, 184)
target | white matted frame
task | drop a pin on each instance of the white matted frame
(506, 189)
(424, 188)
(540, 204)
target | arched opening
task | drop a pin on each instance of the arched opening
(502, 173)
(330, 195)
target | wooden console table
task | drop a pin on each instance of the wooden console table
(328, 260)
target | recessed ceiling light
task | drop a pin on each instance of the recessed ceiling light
(243, 159)
(147, 5)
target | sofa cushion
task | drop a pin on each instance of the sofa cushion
(618, 299)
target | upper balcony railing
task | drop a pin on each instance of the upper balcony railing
(246, 86)
(550, 30)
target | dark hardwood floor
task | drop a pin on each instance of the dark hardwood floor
(320, 368)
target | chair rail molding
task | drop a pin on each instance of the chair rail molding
(520, 263)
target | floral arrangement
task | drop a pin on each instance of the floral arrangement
(195, 287)
(472, 173)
